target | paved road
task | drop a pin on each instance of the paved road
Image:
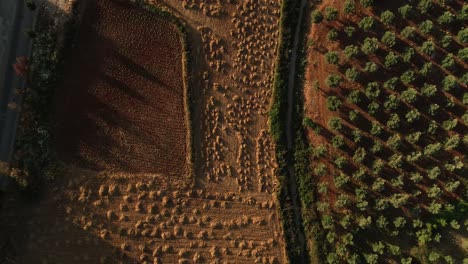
(17, 44)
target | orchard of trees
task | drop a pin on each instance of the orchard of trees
(394, 167)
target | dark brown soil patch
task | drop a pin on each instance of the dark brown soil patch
(121, 106)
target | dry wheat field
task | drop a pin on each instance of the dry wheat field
(123, 193)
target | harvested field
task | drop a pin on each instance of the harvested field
(121, 106)
(105, 208)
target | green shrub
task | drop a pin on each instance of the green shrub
(372, 90)
(408, 77)
(331, 13)
(357, 135)
(359, 155)
(432, 149)
(427, 69)
(395, 161)
(332, 35)
(446, 18)
(376, 129)
(367, 3)
(335, 123)
(412, 116)
(349, 6)
(425, 6)
(316, 16)
(426, 26)
(333, 80)
(373, 108)
(338, 142)
(450, 124)
(351, 51)
(370, 45)
(389, 39)
(340, 162)
(366, 23)
(406, 11)
(394, 121)
(354, 96)
(391, 83)
(395, 142)
(392, 103)
(446, 40)
(429, 90)
(387, 17)
(391, 60)
(332, 57)
(333, 103)
(448, 62)
(428, 48)
(408, 32)
(371, 67)
(433, 109)
(353, 115)
(352, 74)
(408, 54)
(463, 35)
(449, 83)
(463, 54)
(308, 122)
(463, 14)
(410, 95)
(349, 30)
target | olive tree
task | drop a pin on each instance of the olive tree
(352, 74)
(387, 17)
(351, 51)
(349, 6)
(425, 6)
(449, 83)
(463, 35)
(372, 90)
(370, 45)
(389, 39)
(391, 59)
(335, 123)
(332, 35)
(406, 11)
(446, 18)
(429, 90)
(428, 47)
(366, 23)
(426, 26)
(367, 3)
(333, 103)
(333, 80)
(408, 77)
(332, 57)
(316, 16)
(448, 62)
(331, 13)
(408, 32)
(427, 69)
(410, 95)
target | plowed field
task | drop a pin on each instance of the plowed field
(121, 105)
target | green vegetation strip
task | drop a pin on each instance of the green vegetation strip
(278, 126)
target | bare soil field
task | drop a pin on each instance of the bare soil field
(117, 200)
(383, 155)
(121, 106)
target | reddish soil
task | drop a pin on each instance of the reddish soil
(121, 105)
